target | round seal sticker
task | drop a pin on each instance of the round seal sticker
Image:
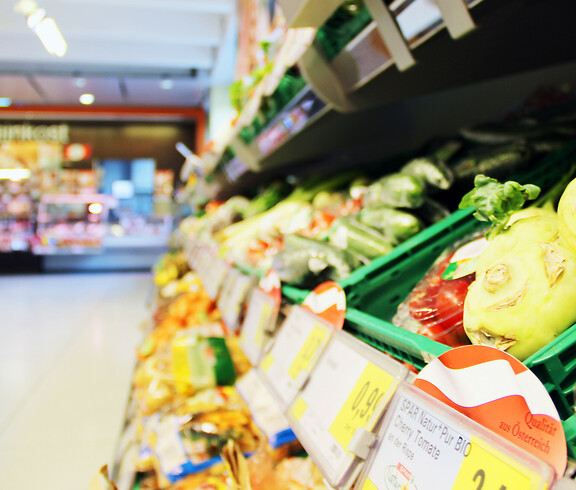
(328, 301)
(498, 391)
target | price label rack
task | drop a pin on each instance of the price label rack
(233, 295)
(425, 444)
(213, 274)
(293, 353)
(258, 325)
(264, 409)
(354, 409)
(336, 413)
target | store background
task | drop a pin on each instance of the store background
(124, 52)
(69, 339)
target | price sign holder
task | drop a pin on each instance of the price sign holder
(264, 409)
(197, 253)
(293, 353)
(427, 445)
(214, 275)
(189, 247)
(237, 288)
(301, 339)
(261, 317)
(200, 260)
(226, 289)
(336, 413)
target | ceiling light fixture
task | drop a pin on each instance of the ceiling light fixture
(51, 37)
(44, 27)
(95, 208)
(79, 82)
(86, 99)
(166, 83)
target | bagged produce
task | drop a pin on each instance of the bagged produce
(303, 257)
(397, 190)
(431, 171)
(435, 307)
(395, 224)
(199, 363)
(348, 233)
(190, 438)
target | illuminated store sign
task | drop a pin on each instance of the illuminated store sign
(55, 133)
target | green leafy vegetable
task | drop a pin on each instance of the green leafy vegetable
(496, 202)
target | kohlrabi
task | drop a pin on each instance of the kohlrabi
(523, 295)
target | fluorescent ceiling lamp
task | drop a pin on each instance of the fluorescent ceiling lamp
(166, 83)
(35, 17)
(48, 32)
(14, 173)
(5, 101)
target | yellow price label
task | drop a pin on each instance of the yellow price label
(265, 313)
(303, 361)
(362, 402)
(368, 485)
(486, 468)
(299, 408)
(267, 362)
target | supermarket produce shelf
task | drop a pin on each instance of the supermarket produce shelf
(511, 38)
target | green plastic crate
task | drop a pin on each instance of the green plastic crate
(374, 292)
(554, 365)
(294, 294)
(369, 288)
(402, 344)
(379, 287)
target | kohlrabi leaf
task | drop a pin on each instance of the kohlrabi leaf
(496, 202)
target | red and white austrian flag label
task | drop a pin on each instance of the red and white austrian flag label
(270, 284)
(328, 301)
(498, 391)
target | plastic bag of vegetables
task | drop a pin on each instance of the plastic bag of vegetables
(306, 259)
(435, 307)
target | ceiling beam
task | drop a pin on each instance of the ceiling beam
(110, 53)
(225, 60)
(92, 22)
(205, 6)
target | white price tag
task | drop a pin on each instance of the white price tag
(264, 409)
(202, 261)
(296, 348)
(225, 291)
(214, 276)
(333, 416)
(262, 313)
(189, 253)
(427, 445)
(196, 254)
(241, 286)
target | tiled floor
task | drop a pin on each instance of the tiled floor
(67, 346)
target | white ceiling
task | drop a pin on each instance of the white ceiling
(123, 49)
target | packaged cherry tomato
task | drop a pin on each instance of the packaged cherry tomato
(435, 307)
